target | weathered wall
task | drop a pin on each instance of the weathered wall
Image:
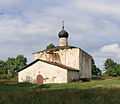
(63, 41)
(72, 75)
(51, 73)
(68, 57)
(85, 65)
(74, 57)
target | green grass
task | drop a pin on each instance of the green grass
(93, 92)
(114, 83)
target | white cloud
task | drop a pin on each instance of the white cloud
(112, 48)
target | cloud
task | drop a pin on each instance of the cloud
(29, 25)
(112, 48)
(104, 7)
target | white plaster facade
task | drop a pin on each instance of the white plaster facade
(50, 73)
(68, 57)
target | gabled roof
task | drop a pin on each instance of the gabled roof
(52, 63)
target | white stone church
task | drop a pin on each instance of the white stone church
(57, 65)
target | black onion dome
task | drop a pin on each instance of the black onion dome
(63, 33)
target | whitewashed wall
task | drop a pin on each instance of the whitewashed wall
(52, 73)
(63, 41)
(68, 57)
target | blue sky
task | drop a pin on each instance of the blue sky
(27, 26)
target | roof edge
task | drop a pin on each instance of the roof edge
(52, 63)
(56, 48)
(61, 48)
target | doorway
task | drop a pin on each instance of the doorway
(39, 79)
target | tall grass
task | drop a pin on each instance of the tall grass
(63, 96)
(93, 92)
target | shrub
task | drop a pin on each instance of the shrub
(3, 76)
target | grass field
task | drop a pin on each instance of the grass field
(93, 92)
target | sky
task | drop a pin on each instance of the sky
(27, 26)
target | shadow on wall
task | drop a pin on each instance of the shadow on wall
(55, 57)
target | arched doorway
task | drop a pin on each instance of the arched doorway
(39, 79)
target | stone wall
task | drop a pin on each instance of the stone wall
(51, 73)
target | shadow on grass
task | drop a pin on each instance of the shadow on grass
(15, 85)
(44, 86)
(98, 78)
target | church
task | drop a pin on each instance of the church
(61, 64)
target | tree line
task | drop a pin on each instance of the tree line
(111, 67)
(12, 65)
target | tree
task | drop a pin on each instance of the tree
(14, 64)
(3, 69)
(109, 63)
(11, 65)
(112, 72)
(112, 68)
(95, 71)
(50, 46)
(20, 61)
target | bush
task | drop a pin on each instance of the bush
(3, 76)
